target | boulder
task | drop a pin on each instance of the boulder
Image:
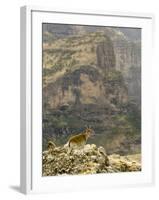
(89, 160)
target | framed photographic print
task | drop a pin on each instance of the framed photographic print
(86, 100)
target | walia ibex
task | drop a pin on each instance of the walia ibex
(51, 145)
(78, 141)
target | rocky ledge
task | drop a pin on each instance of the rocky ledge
(89, 160)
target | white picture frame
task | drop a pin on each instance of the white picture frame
(31, 100)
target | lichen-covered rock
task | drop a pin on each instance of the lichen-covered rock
(124, 163)
(89, 160)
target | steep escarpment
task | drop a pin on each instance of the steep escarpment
(85, 75)
(92, 78)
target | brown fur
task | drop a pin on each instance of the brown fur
(80, 139)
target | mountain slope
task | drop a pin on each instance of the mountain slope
(89, 79)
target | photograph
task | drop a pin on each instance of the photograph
(91, 99)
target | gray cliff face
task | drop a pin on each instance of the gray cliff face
(105, 56)
(127, 51)
(128, 61)
(122, 51)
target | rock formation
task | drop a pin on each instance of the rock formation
(89, 160)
